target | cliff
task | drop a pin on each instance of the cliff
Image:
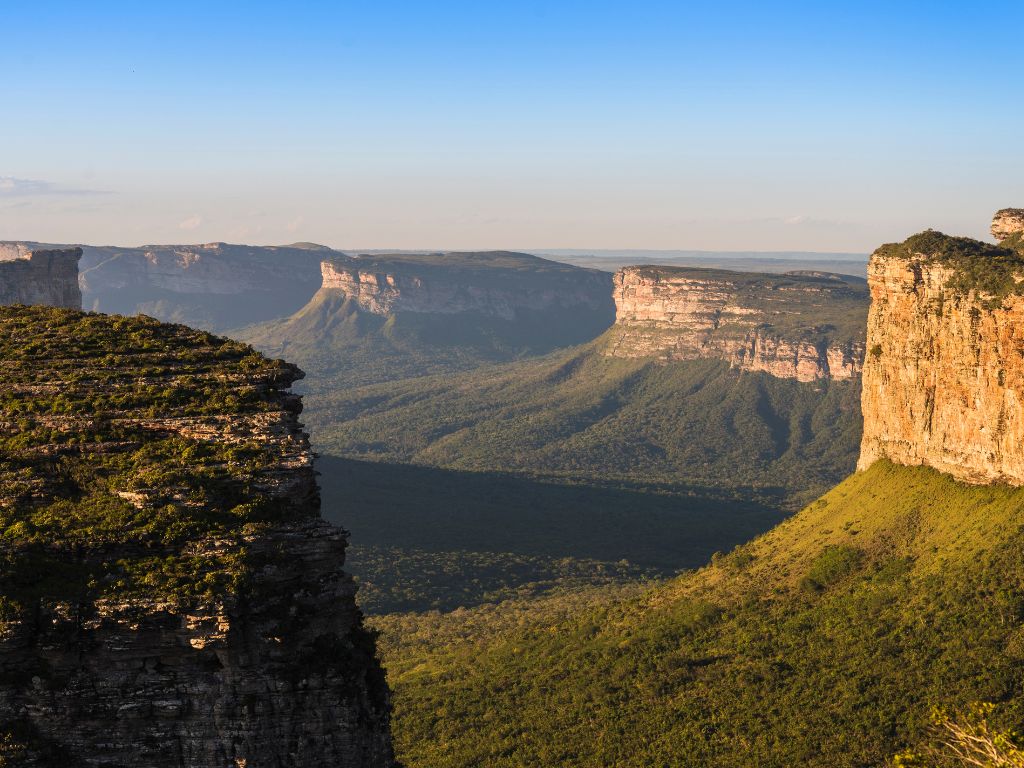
(392, 316)
(169, 595)
(39, 276)
(943, 380)
(498, 283)
(216, 286)
(804, 326)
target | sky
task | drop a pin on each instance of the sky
(819, 126)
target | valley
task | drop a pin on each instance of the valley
(584, 552)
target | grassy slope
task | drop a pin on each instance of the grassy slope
(549, 472)
(822, 643)
(577, 413)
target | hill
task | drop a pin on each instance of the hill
(584, 414)
(830, 640)
(169, 594)
(716, 401)
(823, 643)
(393, 316)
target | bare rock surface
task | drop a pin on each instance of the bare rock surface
(944, 374)
(801, 326)
(1007, 222)
(40, 276)
(499, 284)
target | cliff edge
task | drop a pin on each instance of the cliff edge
(803, 325)
(495, 283)
(169, 594)
(40, 276)
(944, 373)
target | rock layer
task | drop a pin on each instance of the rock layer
(169, 594)
(944, 378)
(217, 286)
(1007, 222)
(498, 284)
(40, 276)
(801, 326)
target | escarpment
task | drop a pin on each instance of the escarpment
(804, 326)
(216, 286)
(169, 594)
(40, 276)
(944, 375)
(498, 284)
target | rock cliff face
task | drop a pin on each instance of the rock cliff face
(39, 276)
(216, 286)
(800, 326)
(169, 594)
(497, 284)
(944, 378)
(1007, 222)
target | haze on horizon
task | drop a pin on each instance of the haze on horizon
(458, 125)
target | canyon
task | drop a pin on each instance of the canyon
(806, 326)
(40, 276)
(944, 375)
(170, 594)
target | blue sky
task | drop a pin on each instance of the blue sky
(767, 126)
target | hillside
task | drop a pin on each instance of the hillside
(823, 643)
(828, 641)
(584, 414)
(169, 594)
(385, 317)
(576, 455)
(522, 473)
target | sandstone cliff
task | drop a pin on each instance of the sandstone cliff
(216, 286)
(40, 276)
(801, 326)
(391, 316)
(944, 379)
(498, 284)
(169, 595)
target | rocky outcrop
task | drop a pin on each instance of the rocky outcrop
(497, 284)
(801, 326)
(944, 377)
(1007, 222)
(169, 594)
(40, 276)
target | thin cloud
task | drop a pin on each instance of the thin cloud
(11, 186)
(192, 222)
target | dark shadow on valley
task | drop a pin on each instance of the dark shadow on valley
(665, 528)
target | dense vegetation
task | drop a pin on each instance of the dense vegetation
(342, 345)
(578, 414)
(111, 457)
(988, 269)
(427, 538)
(827, 642)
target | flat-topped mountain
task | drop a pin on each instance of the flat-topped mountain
(494, 283)
(215, 286)
(946, 329)
(39, 276)
(169, 594)
(389, 316)
(802, 325)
